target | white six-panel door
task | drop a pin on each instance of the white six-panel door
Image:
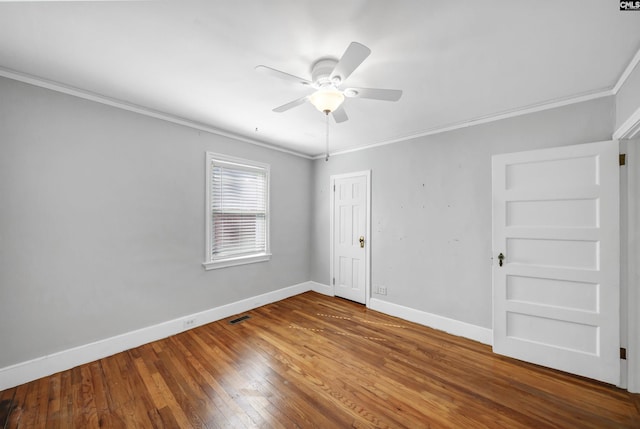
(350, 238)
(556, 224)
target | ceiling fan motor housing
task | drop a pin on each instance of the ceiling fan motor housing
(321, 71)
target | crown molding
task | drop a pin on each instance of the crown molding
(631, 127)
(102, 99)
(627, 72)
(626, 130)
(534, 108)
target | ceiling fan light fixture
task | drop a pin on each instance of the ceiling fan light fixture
(326, 99)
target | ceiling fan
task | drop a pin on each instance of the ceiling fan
(327, 77)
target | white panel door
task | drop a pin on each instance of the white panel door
(556, 225)
(350, 237)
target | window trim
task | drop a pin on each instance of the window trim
(210, 263)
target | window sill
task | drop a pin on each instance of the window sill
(232, 262)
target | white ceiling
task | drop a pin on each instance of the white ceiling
(456, 61)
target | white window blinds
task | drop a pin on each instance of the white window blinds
(238, 210)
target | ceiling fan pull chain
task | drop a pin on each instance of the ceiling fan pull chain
(326, 115)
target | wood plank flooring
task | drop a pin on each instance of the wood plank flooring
(315, 362)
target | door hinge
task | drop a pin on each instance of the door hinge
(623, 353)
(334, 281)
(623, 159)
(334, 188)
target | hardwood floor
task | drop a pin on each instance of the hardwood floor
(315, 361)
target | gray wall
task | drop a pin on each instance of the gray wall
(102, 217)
(102, 222)
(431, 206)
(627, 99)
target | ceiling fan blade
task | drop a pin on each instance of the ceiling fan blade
(374, 93)
(290, 105)
(282, 75)
(355, 54)
(339, 115)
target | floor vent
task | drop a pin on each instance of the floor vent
(239, 319)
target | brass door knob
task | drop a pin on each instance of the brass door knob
(361, 241)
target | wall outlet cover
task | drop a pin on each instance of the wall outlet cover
(189, 323)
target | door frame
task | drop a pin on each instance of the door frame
(631, 251)
(367, 250)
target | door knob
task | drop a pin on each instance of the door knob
(500, 259)
(361, 241)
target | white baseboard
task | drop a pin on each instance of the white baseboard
(322, 288)
(24, 372)
(451, 326)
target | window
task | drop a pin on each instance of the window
(237, 211)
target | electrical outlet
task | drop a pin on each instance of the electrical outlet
(382, 290)
(189, 323)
